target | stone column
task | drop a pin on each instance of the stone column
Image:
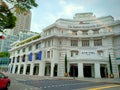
(52, 69)
(97, 70)
(26, 58)
(10, 68)
(13, 70)
(24, 70)
(80, 70)
(31, 68)
(40, 70)
(18, 72)
(33, 57)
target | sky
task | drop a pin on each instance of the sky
(48, 11)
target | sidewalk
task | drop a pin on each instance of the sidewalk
(105, 80)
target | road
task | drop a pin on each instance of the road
(23, 82)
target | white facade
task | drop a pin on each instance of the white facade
(86, 40)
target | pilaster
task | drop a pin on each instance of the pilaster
(97, 70)
(80, 70)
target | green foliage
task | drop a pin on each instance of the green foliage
(29, 40)
(65, 63)
(7, 18)
(23, 5)
(4, 54)
(110, 63)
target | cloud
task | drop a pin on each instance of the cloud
(69, 9)
(62, 2)
(48, 18)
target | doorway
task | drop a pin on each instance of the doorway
(55, 69)
(36, 69)
(28, 69)
(73, 70)
(21, 69)
(16, 68)
(119, 70)
(87, 71)
(47, 69)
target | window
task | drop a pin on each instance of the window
(13, 60)
(48, 43)
(95, 31)
(36, 56)
(100, 52)
(98, 42)
(74, 53)
(74, 32)
(48, 54)
(23, 49)
(18, 51)
(18, 58)
(85, 43)
(74, 42)
(30, 48)
(23, 58)
(85, 32)
(38, 45)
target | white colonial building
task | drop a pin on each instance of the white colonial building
(86, 40)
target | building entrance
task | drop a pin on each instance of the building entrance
(47, 69)
(16, 68)
(36, 69)
(73, 70)
(119, 70)
(87, 71)
(28, 69)
(55, 69)
(21, 69)
(103, 72)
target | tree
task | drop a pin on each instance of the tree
(110, 64)
(7, 18)
(66, 74)
(4, 54)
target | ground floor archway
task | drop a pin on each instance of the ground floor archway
(47, 69)
(73, 70)
(55, 69)
(21, 69)
(28, 69)
(16, 68)
(103, 71)
(88, 70)
(36, 69)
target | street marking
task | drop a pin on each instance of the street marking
(104, 87)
